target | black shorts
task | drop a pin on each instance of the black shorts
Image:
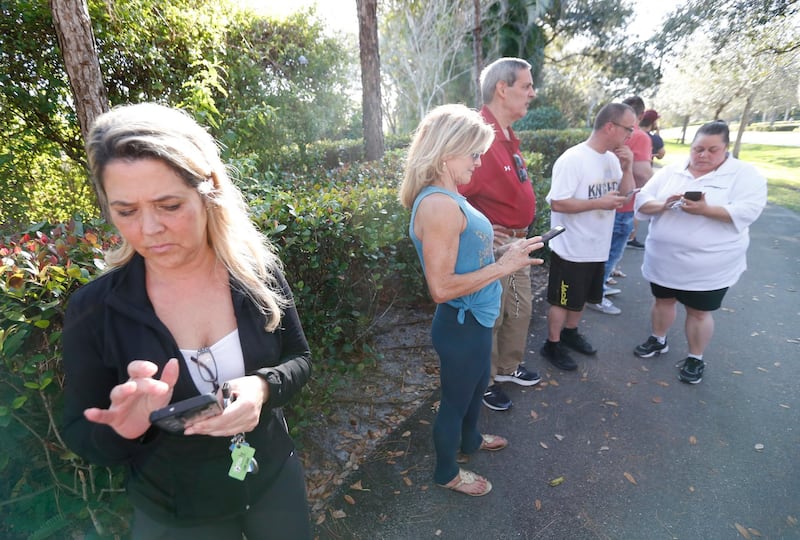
(699, 300)
(570, 284)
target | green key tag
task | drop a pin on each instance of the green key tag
(241, 456)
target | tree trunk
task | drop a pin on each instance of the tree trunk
(76, 40)
(476, 50)
(685, 125)
(743, 124)
(370, 78)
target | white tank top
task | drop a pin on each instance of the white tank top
(228, 357)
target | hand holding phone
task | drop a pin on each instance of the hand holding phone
(175, 416)
(693, 195)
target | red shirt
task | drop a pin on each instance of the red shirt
(642, 146)
(495, 189)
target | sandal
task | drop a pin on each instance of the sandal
(618, 273)
(492, 443)
(468, 483)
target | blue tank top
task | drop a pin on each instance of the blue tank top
(474, 252)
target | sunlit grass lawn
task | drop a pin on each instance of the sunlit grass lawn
(780, 164)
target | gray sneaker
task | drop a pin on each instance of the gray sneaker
(606, 306)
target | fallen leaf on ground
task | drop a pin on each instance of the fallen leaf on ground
(537, 504)
(691, 489)
(349, 499)
(358, 487)
(406, 434)
(543, 445)
(742, 531)
(657, 399)
(754, 532)
(438, 532)
(612, 403)
(783, 405)
(629, 477)
(554, 382)
(556, 481)
(662, 383)
(762, 369)
(534, 415)
(791, 520)
(692, 440)
(320, 519)
(736, 372)
(559, 437)
(338, 514)
(425, 422)
(408, 481)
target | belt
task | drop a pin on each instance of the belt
(516, 233)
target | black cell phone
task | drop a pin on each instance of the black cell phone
(552, 233)
(174, 416)
(693, 195)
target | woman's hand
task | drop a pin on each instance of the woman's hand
(516, 255)
(248, 395)
(134, 400)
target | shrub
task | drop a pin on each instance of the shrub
(551, 143)
(541, 118)
(48, 489)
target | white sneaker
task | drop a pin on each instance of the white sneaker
(606, 306)
(610, 291)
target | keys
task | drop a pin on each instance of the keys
(242, 460)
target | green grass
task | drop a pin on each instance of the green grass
(780, 164)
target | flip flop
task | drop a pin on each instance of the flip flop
(465, 481)
(492, 443)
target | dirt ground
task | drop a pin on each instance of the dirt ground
(378, 402)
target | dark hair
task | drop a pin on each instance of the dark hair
(717, 127)
(636, 103)
(611, 113)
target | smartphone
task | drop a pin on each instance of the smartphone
(632, 192)
(174, 416)
(552, 233)
(693, 195)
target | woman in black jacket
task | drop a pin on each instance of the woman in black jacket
(195, 302)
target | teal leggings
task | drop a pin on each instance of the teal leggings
(464, 364)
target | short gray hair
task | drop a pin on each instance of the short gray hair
(502, 69)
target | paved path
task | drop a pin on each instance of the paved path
(642, 456)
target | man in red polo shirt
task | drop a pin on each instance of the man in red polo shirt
(501, 190)
(642, 147)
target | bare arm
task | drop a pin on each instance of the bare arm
(642, 172)
(438, 224)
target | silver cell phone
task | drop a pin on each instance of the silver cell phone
(174, 416)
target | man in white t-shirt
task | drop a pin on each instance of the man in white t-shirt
(589, 183)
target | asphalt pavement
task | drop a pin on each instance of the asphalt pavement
(635, 453)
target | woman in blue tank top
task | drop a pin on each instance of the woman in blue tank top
(455, 246)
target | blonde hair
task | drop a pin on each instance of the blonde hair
(447, 130)
(151, 131)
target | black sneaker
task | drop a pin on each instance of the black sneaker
(558, 356)
(577, 342)
(496, 399)
(651, 347)
(691, 370)
(520, 376)
(635, 244)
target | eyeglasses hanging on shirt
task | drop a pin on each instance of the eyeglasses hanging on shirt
(522, 172)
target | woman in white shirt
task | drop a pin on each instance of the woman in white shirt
(700, 212)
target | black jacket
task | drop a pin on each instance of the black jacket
(176, 479)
